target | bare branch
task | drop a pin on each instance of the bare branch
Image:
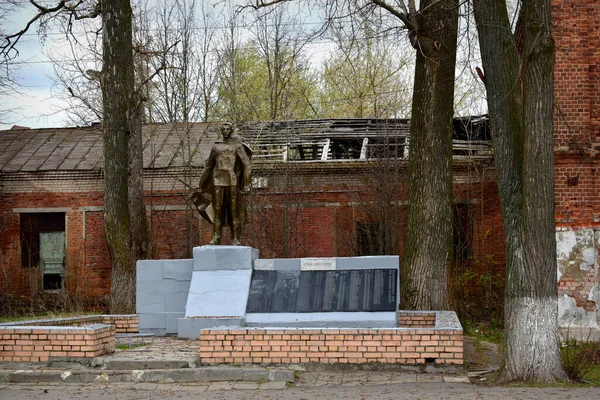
(262, 4)
(11, 41)
(162, 67)
(408, 23)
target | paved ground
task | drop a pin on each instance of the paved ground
(229, 390)
(136, 374)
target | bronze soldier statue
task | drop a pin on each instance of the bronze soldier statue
(225, 179)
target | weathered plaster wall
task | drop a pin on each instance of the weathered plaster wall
(578, 278)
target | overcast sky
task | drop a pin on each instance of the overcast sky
(39, 104)
(36, 105)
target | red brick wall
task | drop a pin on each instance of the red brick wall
(321, 218)
(577, 38)
(97, 275)
(331, 346)
(577, 182)
(87, 271)
(577, 112)
(38, 344)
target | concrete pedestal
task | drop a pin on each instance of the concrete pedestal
(219, 289)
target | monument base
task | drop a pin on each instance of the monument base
(219, 289)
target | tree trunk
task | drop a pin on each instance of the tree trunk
(429, 241)
(140, 231)
(520, 109)
(117, 87)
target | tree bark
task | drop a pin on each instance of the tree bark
(119, 119)
(429, 243)
(520, 100)
(140, 231)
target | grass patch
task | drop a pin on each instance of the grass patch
(44, 315)
(593, 375)
(126, 346)
(484, 332)
(581, 361)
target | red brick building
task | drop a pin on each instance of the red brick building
(577, 156)
(321, 188)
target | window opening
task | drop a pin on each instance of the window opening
(370, 239)
(386, 147)
(346, 149)
(43, 246)
(463, 232)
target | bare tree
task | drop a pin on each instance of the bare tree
(432, 30)
(266, 77)
(229, 75)
(279, 213)
(9, 82)
(185, 89)
(281, 44)
(366, 76)
(79, 76)
(375, 226)
(124, 212)
(518, 73)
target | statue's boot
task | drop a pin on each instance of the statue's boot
(216, 238)
(235, 241)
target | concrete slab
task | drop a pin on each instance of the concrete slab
(218, 293)
(180, 270)
(429, 378)
(178, 388)
(149, 270)
(272, 386)
(145, 364)
(245, 386)
(171, 321)
(189, 328)
(150, 302)
(368, 262)
(403, 378)
(287, 264)
(218, 258)
(381, 319)
(175, 301)
(152, 321)
(218, 386)
(456, 379)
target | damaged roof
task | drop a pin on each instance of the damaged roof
(188, 144)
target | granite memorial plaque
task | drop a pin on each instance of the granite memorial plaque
(277, 291)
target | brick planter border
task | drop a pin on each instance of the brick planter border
(440, 342)
(74, 337)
